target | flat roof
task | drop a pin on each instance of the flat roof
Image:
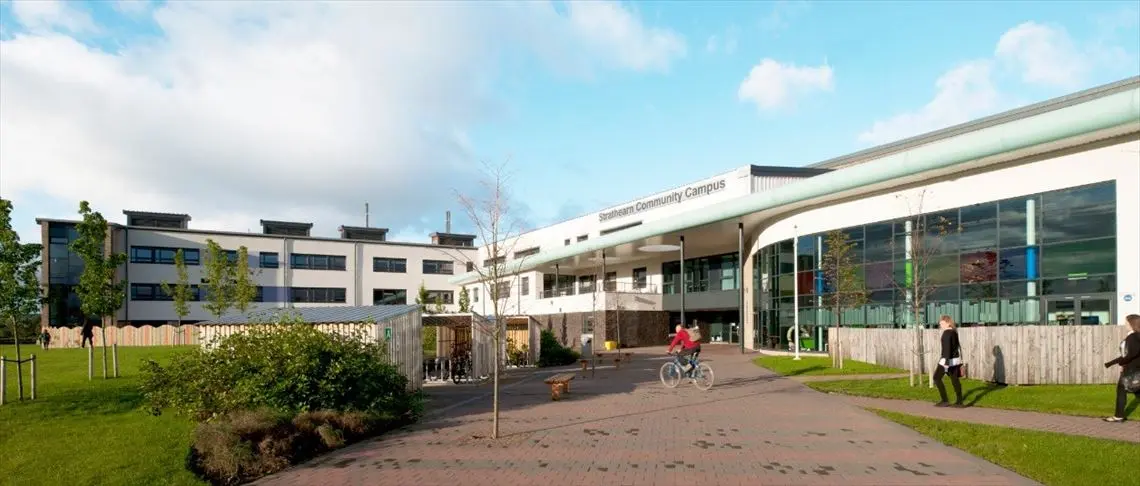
(263, 235)
(152, 214)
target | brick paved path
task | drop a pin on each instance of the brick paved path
(623, 428)
(1065, 424)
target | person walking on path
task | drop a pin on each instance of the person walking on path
(88, 334)
(950, 363)
(1129, 362)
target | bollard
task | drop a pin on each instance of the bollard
(115, 358)
(3, 379)
(90, 362)
(33, 361)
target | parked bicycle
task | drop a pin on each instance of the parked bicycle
(674, 371)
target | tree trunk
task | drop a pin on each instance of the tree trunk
(495, 392)
(103, 330)
(19, 361)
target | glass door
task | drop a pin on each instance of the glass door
(1074, 310)
(1095, 309)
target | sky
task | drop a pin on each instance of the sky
(304, 111)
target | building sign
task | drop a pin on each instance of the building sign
(675, 197)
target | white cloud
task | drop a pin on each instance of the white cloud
(962, 94)
(771, 84)
(1042, 55)
(44, 15)
(783, 12)
(1034, 54)
(290, 110)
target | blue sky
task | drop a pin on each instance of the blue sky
(234, 112)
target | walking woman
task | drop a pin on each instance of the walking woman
(950, 363)
(1129, 362)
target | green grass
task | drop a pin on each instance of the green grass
(1046, 457)
(818, 366)
(80, 432)
(1082, 400)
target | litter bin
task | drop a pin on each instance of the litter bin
(611, 345)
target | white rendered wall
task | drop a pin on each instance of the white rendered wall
(1119, 162)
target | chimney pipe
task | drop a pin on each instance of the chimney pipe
(447, 227)
(366, 215)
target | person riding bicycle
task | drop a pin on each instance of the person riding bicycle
(689, 348)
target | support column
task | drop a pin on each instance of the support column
(1033, 305)
(683, 322)
(557, 280)
(740, 283)
(796, 290)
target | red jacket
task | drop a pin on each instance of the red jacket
(682, 337)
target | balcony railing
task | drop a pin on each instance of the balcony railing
(606, 287)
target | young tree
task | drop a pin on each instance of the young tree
(497, 231)
(20, 293)
(242, 286)
(845, 287)
(181, 293)
(100, 292)
(422, 298)
(464, 300)
(923, 243)
(218, 272)
(438, 305)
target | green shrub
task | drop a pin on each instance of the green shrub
(553, 353)
(246, 445)
(287, 367)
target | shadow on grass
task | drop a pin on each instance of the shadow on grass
(975, 395)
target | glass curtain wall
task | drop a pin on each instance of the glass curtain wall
(702, 274)
(1042, 258)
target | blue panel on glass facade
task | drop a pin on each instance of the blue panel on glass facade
(818, 282)
(1031, 262)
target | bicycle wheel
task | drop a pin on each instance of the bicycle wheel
(704, 377)
(670, 375)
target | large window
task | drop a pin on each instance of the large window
(445, 296)
(301, 261)
(329, 295)
(985, 264)
(149, 291)
(390, 265)
(268, 260)
(163, 255)
(640, 278)
(439, 267)
(390, 297)
(702, 274)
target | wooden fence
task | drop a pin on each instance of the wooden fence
(164, 335)
(1015, 355)
(403, 333)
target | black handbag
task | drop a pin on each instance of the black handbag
(1130, 381)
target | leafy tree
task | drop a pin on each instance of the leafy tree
(20, 293)
(241, 280)
(218, 271)
(464, 300)
(438, 305)
(100, 292)
(180, 292)
(841, 277)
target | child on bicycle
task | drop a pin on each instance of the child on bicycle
(689, 348)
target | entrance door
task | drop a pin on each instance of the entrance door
(1075, 310)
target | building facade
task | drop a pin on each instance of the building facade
(290, 267)
(1026, 217)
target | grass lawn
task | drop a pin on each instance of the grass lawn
(81, 432)
(1082, 400)
(1047, 457)
(816, 366)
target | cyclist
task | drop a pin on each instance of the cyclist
(689, 348)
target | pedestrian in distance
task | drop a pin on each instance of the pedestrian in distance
(1129, 361)
(88, 334)
(950, 364)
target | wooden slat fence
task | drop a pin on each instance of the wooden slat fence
(164, 335)
(1015, 355)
